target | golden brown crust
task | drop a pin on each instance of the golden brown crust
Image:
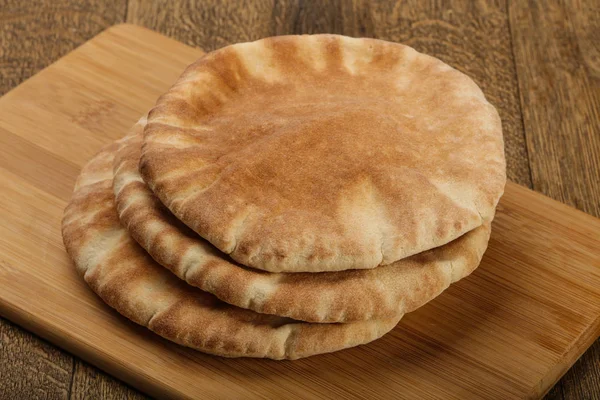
(315, 297)
(322, 153)
(127, 279)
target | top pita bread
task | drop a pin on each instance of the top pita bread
(126, 278)
(339, 296)
(322, 153)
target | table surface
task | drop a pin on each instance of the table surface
(539, 65)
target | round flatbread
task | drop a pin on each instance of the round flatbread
(316, 297)
(127, 279)
(324, 153)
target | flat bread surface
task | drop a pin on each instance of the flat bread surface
(341, 296)
(324, 153)
(127, 279)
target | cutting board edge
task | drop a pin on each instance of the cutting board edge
(569, 357)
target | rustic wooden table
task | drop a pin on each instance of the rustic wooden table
(538, 64)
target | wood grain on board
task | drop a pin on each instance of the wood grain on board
(35, 33)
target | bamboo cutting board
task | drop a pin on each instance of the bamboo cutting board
(510, 330)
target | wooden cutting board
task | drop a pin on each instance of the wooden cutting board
(510, 330)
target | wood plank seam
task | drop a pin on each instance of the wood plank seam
(516, 76)
(73, 363)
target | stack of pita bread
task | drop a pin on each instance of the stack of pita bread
(291, 196)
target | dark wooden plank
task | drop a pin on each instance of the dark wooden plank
(34, 34)
(208, 24)
(556, 393)
(31, 368)
(557, 56)
(582, 381)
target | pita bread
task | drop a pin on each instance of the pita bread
(316, 297)
(324, 153)
(127, 279)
